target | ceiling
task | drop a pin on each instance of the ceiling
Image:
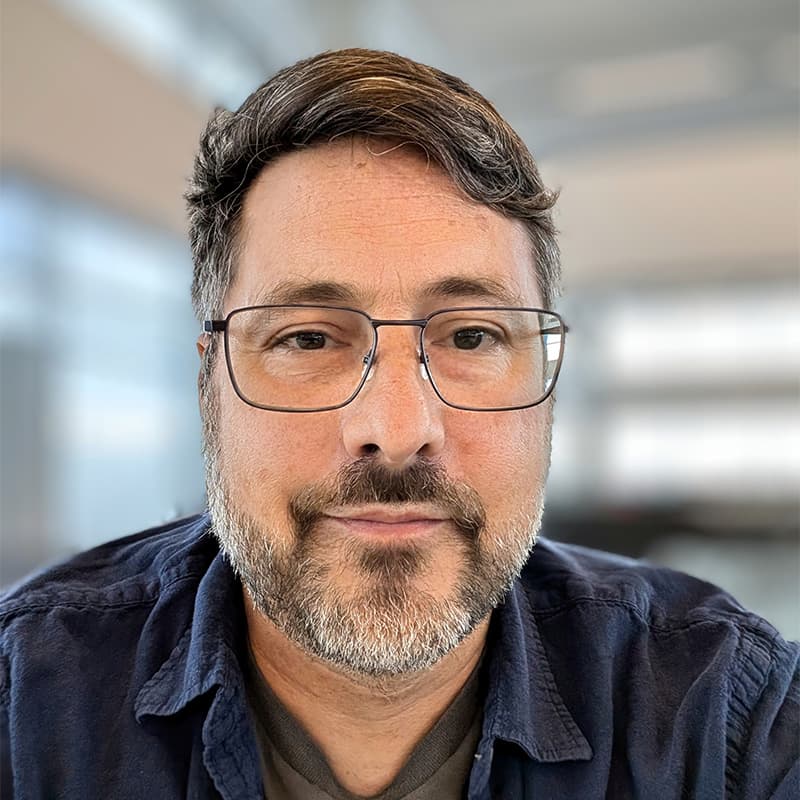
(565, 74)
(671, 128)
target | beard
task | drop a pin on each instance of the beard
(384, 623)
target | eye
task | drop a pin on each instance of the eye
(468, 338)
(310, 340)
(302, 340)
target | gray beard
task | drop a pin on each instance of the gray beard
(388, 626)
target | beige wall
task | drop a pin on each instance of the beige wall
(717, 204)
(82, 115)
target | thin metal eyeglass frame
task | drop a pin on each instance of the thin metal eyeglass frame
(211, 326)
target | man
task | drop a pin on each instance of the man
(357, 615)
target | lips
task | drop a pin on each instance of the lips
(383, 521)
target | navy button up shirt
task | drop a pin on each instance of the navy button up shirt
(120, 677)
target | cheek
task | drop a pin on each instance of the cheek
(505, 458)
(267, 456)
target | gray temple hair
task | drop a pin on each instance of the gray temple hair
(366, 93)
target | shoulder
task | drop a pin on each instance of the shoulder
(560, 576)
(118, 609)
(81, 641)
(617, 603)
(678, 655)
(135, 569)
(104, 598)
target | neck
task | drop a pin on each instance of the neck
(365, 727)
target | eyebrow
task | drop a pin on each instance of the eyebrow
(291, 292)
(485, 289)
(343, 293)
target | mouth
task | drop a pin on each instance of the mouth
(385, 522)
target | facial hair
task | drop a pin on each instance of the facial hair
(388, 624)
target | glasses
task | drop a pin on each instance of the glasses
(316, 358)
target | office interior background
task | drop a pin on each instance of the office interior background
(671, 130)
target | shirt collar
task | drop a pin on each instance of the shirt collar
(523, 703)
(205, 661)
(205, 656)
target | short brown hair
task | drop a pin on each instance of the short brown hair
(366, 93)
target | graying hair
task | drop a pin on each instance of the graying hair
(369, 93)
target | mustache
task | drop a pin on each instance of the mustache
(364, 481)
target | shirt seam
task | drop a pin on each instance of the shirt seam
(45, 606)
(739, 623)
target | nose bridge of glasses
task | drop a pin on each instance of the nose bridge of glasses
(398, 323)
(396, 359)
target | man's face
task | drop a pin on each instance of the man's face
(378, 535)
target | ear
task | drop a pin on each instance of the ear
(202, 344)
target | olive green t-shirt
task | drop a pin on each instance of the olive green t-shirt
(295, 769)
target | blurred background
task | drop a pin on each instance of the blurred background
(672, 131)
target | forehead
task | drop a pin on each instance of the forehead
(374, 226)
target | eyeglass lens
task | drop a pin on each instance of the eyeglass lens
(308, 358)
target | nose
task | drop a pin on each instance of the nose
(396, 416)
